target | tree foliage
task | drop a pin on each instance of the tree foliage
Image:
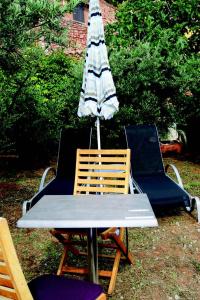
(157, 45)
(34, 86)
(25, 22)
(154, 56)
(35, 105)
(148, 20)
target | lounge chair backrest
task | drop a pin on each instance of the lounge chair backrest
(146, 158)
(12, 281)
(102, 171)
(70, 140)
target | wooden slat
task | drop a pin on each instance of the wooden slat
(67, 269)
(128, 158)
(76, 172)
(1, 256)
(101, 181)
(113, 159)
(104, 255)
(116, 265)
(5, 281)
(107, 182)
(101, 167)
(101, 297)
(4, 268)
(7, 292)
(101, 174)
(114, 272)
(103, 151)
(99, 189)
(13, 268)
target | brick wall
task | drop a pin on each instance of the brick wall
(78, 31)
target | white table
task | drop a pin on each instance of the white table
(90, 211)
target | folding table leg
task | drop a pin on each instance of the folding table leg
(92, 255)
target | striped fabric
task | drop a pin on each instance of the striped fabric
(98, 94)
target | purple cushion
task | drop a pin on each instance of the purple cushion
(53, 287)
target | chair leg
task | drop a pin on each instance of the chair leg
(114, 272)
(62, 261)
(118, 239)
(123, 249)
(67, 247)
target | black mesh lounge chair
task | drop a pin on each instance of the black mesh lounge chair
(148, 172)
(63, 181)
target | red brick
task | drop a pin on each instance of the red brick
(78, 31)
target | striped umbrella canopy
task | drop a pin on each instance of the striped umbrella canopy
(98, 93)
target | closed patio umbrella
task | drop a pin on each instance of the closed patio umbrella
(98, 93)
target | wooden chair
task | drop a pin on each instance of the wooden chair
(99, 171)
(47, 287)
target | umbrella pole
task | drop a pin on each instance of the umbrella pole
(99, 141)
(98, 134)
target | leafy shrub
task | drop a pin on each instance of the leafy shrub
(154, 56)
(37, 101)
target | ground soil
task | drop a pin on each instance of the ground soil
(167, 258)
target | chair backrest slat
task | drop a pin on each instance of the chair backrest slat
(5, 281)
(12, 281)
(102, 174)
(1, 255)
(3, 268)
(102, 171)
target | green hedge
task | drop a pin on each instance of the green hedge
(37, 101)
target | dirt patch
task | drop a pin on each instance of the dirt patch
(6, 188)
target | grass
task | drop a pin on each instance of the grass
(167, 258)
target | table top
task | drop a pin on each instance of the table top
(90, 211)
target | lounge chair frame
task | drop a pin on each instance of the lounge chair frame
(149, 134)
